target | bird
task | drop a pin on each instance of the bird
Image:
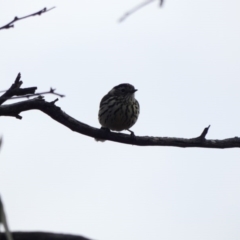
(119, 110)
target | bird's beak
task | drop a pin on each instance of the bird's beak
(134, 90)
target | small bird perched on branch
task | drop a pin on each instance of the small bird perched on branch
(119, 110)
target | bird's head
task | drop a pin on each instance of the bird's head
(124, 89)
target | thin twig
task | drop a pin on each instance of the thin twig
(138, 7)
(3, 220)
(16, 90)
(39, 94)
(204, 133)
(11, 25)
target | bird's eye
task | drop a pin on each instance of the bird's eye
(123, 90)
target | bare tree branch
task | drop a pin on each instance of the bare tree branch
(42, 236)
(15, 90)
(51, 91)
(138, 7)
(55, 112)
(11, 25)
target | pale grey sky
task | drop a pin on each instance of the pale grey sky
(184, 59)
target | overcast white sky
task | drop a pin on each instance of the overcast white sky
(184, 59)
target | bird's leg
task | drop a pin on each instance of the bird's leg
(132, 133)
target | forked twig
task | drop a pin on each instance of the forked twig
(15, 91)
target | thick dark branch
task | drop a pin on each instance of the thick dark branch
(42, 236)
(11, 25)
(138, 7)
(15, 90)
(58, 115)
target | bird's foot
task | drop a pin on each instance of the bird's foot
(132, 134)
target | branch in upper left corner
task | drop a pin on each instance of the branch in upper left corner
(11, 23)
